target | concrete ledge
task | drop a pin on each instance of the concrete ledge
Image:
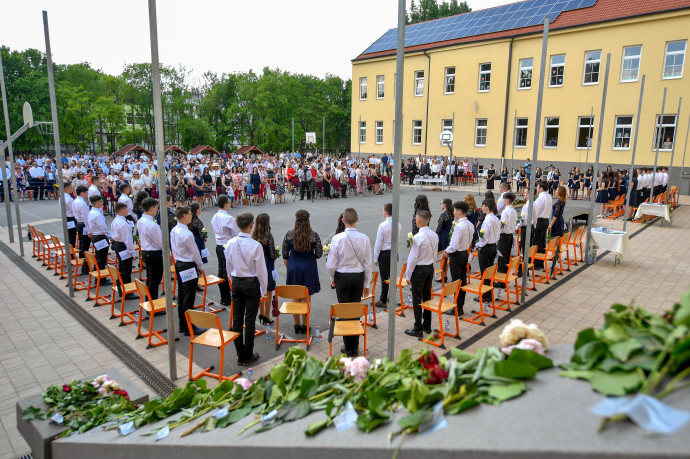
(39, 434)
(550, 421)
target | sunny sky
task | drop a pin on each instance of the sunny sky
(303, 36)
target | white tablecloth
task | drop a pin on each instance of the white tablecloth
(430, 181)
(616, 242)
(657, 210)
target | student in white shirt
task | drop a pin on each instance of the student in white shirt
(505, 240)
(349, 267)
(225, 228)
(69, 213)
(382, 252)
(500, 204)
(488, 238)
(542, 212)
(81, 213)
(99, 231)
(420, 272)
(125, 190)
(123, 243)
(458, 250)
(93, 189)
(150, 239)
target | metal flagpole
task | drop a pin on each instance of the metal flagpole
(590, 217)
(359, 139)
(512, 153)
(397, 152)
(632, 161)
(656, 140)
(324, 137)
(675, 133)
(293, 134)
(6, 180)
(58, 151)
(685, 150)
(589, 139)
(535, 152)
(163, 204)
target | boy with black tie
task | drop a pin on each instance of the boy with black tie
(458, 248)
(382, 252)
(151, 241)
(99, 232)
(224, 228)
(420, 272)
(81, 213)
(123, 243)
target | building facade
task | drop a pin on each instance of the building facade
(484, 88)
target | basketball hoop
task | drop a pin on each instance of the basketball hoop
(44, 127)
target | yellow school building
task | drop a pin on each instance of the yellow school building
(477, 75)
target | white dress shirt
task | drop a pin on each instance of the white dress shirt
(350, 252)
(524, 218)
(500, 204)
(542, 206)
(224, 227)
(383, 236)
(149, 233)
(123, 233)
(423, 250)
(130, 207)
(93, 191)
(183, 246)
(37, 172)
(508, 220)
(81, 212)
(462, 236)
(492, 230)
(97, 225)
(69, 204)
(244, 257)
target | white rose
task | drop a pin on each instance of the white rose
(513, 332)
(534, 333)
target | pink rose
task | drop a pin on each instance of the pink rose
(357, 367)
(244, 382)
(527, 344)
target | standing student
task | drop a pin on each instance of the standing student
(245, 263)
(93, 189)
(262, 235)
(542, 212)
(123, 243)
(151, 241)
(458, 250)
(188, 265)
(382, 252)
(504, 188)
(505, 240)
(349, 267)
(488, 238)
(125, 190)
(69, 213)
(99, 231)
(225, 228)
(81, 213)
(420, 272)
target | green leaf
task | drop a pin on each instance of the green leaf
(516, 370)
(368, 421)
(622, 349)
(590, 353)
(316, 427)
(584, 337)
(536, 360)
(462, 405)
(504, 392)
(576, 374)
(682, 314)
(613, 333)
(460, 355)
(30, 413)
(209, 424)
(415, 419)
(616, 383)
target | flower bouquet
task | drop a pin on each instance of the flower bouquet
(204, 234)
(452, 228)
(277, 252)
(518, 335)
(326, 248)
(409, 239)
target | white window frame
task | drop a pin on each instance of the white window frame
(379, 133)
(363, 93)
(525, 68)
(481, 130)
(548, 126)
(362, 132)
(663, 125)
(446, 125)
(380, 86)
(622, 127)
(418, 77)
(674, 53)
(591, 62)
(521, 127)
(589, 127)
(629, 59)
(486, 74)
(449, 81)
(556, 66)
(417, 126)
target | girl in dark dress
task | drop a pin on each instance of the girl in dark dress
(556, 225)
(301, 248)
(633, 195)
(588, 182)
(262, 234)
(255, 181)
(504, 175)
(537, 174)
(602, 192)
(555, 181)
(613, 187)
(445, 222)
(327, 183)
(490, 177)
(473, 216)
(576, 183)
(197, 229)
(420, 203)
(570, 180)
(522, 180)
(209, 187)
(198, 183)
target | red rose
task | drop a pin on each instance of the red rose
(437, 376)
(429, 361)
(66, 388)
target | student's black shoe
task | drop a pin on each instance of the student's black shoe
(245, 363)
(414, 332)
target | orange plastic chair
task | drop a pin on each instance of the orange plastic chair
(566, 244)
(530, 265)
(205, 281)
(34, 241)
(77, 263)
(673, 196)
(478, 288)
(98, 274)
(505, 279)
(440, 306)
(126, 290)
(401, 283)
(43, 242)
(476, 274)
(152, 307)
(442, 261)
(343, 322)
(293, 292)
(141, 265)
(51, 248)
(549, 255)
(215, 336)
(59, 265)
(257, 332)
(372, 297)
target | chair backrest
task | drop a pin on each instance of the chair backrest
(402, 273)
(372, 284)
(514, 265)
(451, 288)
(348, 310)
(489, 273)
(57, 244)
(143, 291)
(553, 243)
(566, 238)
(292, 292)
(440, 256)
(532, 253)
(204, 319)
(91, 261)
(114, 274)
(32, 230)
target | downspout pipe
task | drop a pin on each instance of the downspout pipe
(505, 111)
(428, 87)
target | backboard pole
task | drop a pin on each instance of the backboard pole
(634, 151)
(3, 163)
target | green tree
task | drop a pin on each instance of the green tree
(428, 10)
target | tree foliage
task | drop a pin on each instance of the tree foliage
(101, 112)
(426, 10)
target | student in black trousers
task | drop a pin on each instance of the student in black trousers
(81, 213)
(457, 250)
(69, 214)
(150, 239)
(382, 252)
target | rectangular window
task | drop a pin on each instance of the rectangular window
(521, 125)
(417, 132)
(380, 86)
(675, 59)
(665, 132)
(585, 130)
(557, 70)
(363, 88)
(592, 62)
(419, 83)
(379, 132)
(446, 125)
(551, 132)
(525, 74)
(480, 133)
(630, 69)
(621, 134)
(485, 77)
(450, 80)
(362, 132)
